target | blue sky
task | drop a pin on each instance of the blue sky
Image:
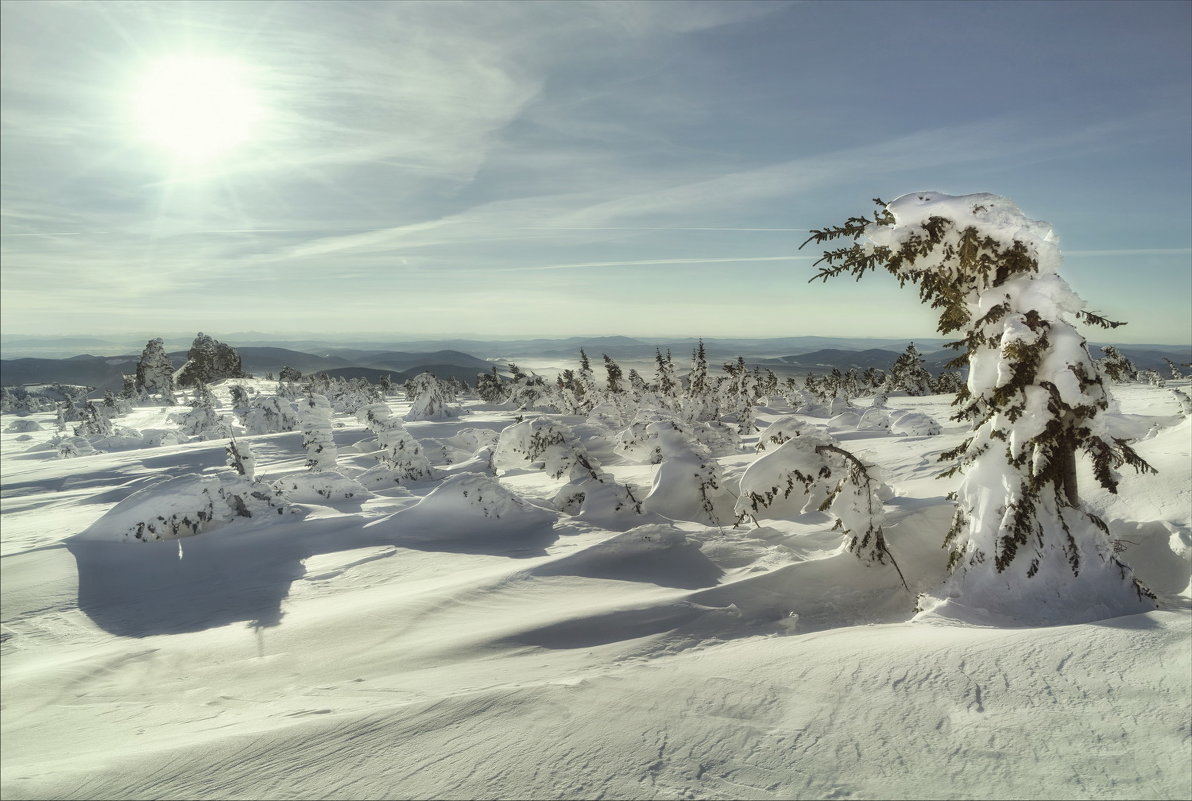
(545, 169)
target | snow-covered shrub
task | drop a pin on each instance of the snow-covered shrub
(811, 472)
(781, 430)
(202, 421)
(70, 447)
(270, 414)
(688, 484)
(548, 444)
(1116, 367)
(400, 455)
(469, 504)
(185, 506)
(429, 399)
(1021, 542)
(467, 442)
(321, 481)
(314, 415)
(23, 426)
(156, 437)
(1180, 395)
(95, 423)
(914, 424)
(554, 448)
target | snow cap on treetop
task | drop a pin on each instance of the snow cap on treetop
(992, 215)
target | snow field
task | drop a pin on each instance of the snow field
(420, 643)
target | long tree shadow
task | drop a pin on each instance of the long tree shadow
(230, 575)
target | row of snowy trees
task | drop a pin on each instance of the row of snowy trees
(908, 374)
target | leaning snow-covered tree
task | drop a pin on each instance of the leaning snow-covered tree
(1021, 541)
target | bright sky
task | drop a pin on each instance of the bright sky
(538, 168)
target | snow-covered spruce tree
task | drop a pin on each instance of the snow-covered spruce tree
(738, 395)
(1021, 543)
(1116, 367)
(949, 383)
(209, 360)
(613, 370)
(909, 374)
(488, 387)
(289, 374)
(699, 403)
(429, 399)
(1176, 373)
(664, 379)
(155, 373)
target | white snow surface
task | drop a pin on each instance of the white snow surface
(462, 638)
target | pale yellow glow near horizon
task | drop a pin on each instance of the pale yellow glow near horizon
(196, 109)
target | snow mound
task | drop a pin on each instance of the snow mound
(466, 504)
(22, 426)
(914, 424)
(656, 553)
(318, 487)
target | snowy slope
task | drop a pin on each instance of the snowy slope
(417, 643)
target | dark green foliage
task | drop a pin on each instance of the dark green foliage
(966, 265)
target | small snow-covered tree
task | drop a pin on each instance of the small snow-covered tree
(811, 472)
(269, 414)
(909, 374)
(1116, 367)
(1021, 540)
(202, 420)
(155, 373)
(738, 394)
(689, 484)
(699, 403)
(288, 373)
(209, 360)
(315, 415)
(553, 447)
(613, 370)
(665, 383)
(488, 387)
(401, 456)
(94, 423)
(429, 399)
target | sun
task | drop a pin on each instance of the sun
(195, 108)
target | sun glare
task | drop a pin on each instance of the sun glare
(195, 108)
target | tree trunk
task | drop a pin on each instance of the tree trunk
(1067, 469)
